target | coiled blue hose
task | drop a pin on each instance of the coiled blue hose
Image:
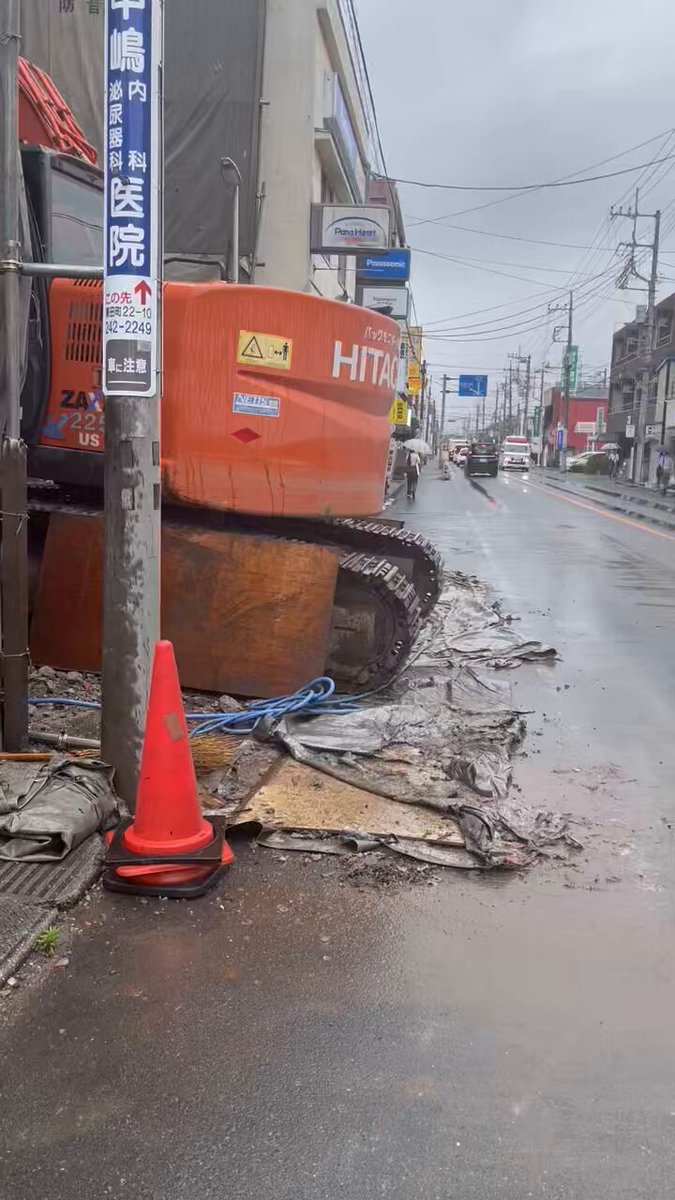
(316, 696)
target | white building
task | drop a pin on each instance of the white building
(314, 143)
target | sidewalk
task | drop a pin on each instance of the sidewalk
(632, 499)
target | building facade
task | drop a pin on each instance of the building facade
(315, 144)
(587, 420)
(627, 382)
(274, 88)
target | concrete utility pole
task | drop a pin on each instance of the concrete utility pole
(510, 398)
(423, 392)
(629, 272)
(446, 380)
(567, 369)
(13, 486)
(527, 360)
(567, 373)
(132, 516)
(483, 418)
(10, 413)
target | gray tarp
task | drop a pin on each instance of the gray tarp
(442, 736)
(46, 809)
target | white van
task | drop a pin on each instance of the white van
(514, 454)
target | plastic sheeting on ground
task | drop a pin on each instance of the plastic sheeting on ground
(441, 737)
(46, 809)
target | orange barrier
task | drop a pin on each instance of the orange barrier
(168, 849)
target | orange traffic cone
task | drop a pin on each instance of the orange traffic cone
(168, 849)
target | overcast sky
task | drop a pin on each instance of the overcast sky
(515, 92)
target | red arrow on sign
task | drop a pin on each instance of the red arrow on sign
(143, 289)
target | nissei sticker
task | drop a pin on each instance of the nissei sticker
(255, 406)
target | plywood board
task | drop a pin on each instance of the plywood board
(299, 797)
(247, 615)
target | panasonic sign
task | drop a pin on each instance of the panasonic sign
(349, 229)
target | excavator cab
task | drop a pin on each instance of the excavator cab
(64, 204)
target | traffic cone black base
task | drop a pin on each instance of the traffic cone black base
(179, 876)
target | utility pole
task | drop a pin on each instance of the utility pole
(567, 370)
(446, 380)
(527, 360)
(527, 393)
(423, 391)
(629, 272)
(483, 419)
(13, 484)
(132, 514)
(541, 413)
(510, 398)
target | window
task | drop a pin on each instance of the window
(663, 328)
(631, 345)
(77, 222)
(627, 395)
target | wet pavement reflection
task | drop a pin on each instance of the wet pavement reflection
(296, 1036)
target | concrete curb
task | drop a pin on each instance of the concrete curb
(633, 498)
(647, 517)
(37, 919)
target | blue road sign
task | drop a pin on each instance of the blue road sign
(133, 39)
(560, 439)
(473, 387)
(390, 265)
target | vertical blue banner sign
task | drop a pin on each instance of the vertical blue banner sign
(131, 304)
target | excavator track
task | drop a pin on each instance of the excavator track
(415, 556)
(377, 611)
(395, 543)
(376, 618)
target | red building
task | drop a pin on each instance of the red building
(587, 414)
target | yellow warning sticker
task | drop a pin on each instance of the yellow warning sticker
(264, 350)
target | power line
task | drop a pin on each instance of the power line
(490, 308)
(508, 317)
(502, 332)
(495, 262)
(504, 199)
(509, 237)
(462, 262)
(530, 187)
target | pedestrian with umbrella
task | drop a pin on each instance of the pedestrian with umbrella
(415, 448)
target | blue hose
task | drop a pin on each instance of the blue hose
(316, 696)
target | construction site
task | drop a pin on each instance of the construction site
(296, 732)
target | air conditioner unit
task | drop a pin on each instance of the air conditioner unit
(640, 314)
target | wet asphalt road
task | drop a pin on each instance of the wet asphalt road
(295, 1037)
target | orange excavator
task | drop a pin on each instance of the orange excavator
(274, 441)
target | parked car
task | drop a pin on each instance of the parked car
(482, 459)
(591, 462)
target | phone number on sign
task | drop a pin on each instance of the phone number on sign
(131, 327)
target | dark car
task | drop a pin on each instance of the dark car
(483, 459)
